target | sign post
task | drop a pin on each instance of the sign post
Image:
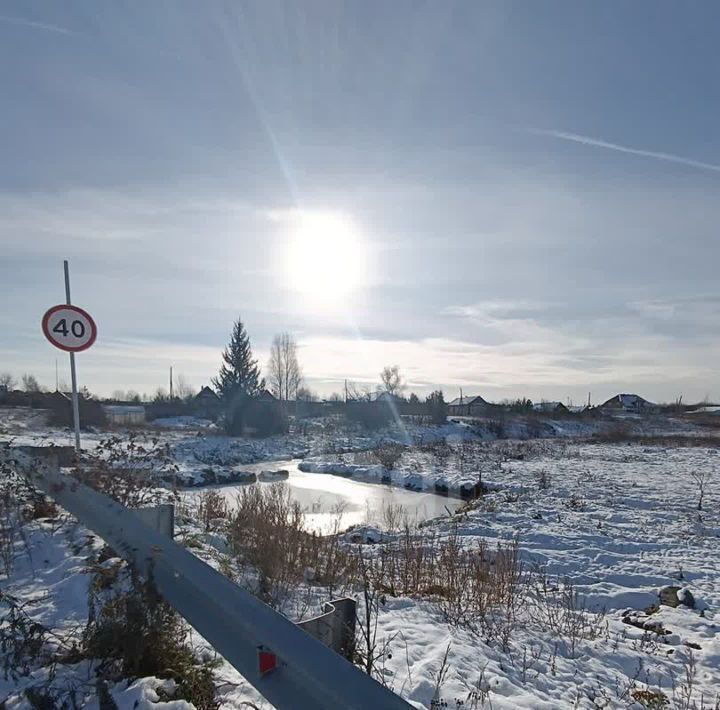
(71, 329)
(73, 373)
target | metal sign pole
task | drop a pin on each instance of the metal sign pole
(73, 375)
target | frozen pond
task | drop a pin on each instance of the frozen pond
(322, 495)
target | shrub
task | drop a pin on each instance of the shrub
(258, 418)
(544, 479)
(369, 415)
(211, 506)
(497, 427)
(136, 634)
(388, 454)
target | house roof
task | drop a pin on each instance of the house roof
(206, 392)
(548, 406)
(266, 395)
(631, 401)
(466, 401)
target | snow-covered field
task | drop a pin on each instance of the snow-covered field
(603, 527)
(619, 522)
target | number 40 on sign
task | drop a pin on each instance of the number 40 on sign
(69, 328)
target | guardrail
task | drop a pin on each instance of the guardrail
(290, 668)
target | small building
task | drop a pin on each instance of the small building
(60, 406)
(629, 403)
(468, 406)
(206, 404)
(124, 414)
(266, 396)
(551, 408)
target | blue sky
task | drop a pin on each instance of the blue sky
(533, 185)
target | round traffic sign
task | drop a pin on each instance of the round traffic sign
(69, 328)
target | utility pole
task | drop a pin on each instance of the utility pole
(171, 389)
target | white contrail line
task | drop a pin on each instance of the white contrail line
(586, 140)
(36, 25)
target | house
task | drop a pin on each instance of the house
(124, 414)
(551, 408)
(629, 403)
(206, 404)
(266, 396)
(60, 406)
(468, 406)
(206, 395)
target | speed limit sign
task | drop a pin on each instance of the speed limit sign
(69, 328)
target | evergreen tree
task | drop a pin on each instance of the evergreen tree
(437, 407)
(239, 374)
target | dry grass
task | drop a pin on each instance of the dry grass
(267, 530)
(211, 507)
(625, 436)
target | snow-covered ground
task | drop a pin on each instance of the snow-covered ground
(608, 524)
(619, 522)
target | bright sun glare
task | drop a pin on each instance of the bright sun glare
(326, 257)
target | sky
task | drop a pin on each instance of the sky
(512, 198)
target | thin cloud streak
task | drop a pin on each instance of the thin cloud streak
(35, 25)
(597, 143)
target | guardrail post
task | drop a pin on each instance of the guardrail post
(335, 627)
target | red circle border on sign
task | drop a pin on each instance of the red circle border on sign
(83, 313)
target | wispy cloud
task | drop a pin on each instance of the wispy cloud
(597, 143)
(35, 25)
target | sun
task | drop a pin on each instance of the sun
(326, 256)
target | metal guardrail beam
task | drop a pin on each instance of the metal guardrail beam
(307, 676)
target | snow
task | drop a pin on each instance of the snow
(183, 422)
(616, 521)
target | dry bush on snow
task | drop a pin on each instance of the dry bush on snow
(19, 503)
(211, 506)
(130, 470)
(388, 454)
(467, 584)
(267, 531)
(544, 479)
(557, 607)
(136, 634)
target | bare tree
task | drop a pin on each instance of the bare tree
(161, 395)
(355, 393)
(285, 375)
(30, 383)
(392, 381)
(305, 394)
(7, 381)
(182, 388)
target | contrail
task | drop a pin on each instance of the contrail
(36, 25)
(586, 140)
